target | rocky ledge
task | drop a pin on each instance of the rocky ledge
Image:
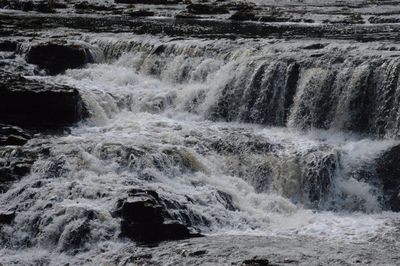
(34, 104)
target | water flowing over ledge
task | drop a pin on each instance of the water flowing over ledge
(271, 145)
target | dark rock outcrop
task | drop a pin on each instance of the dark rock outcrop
(33, 104)
(144, 219)
(388, 170)
(55, 58)
(11, 135)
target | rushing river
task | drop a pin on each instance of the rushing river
(255, 140)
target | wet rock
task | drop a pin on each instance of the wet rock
(388, 169)
(90, 7)
(55, 58)
(74, 235)
(382, 20)
(243, 15)
(226, 200)
(6, 217)
(318, 173)
(256, 262)
(33, 104)
(186, 15)
(144, 219)
(139, 13)
(206, 9)
(16, 162)
(42, 6)
(149, 2)
(11, 135)
(142, 209)
(8, 46)
(315, 46)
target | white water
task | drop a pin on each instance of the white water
(152, 116)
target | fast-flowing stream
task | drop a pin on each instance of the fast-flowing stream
(251, 138)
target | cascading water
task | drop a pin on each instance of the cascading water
(188, 120)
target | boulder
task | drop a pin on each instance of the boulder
(144, 219)
(34, 104)
(55, 58)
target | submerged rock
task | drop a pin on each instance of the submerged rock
(33, 104)
(55, 58)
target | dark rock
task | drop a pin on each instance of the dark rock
(149, 2)
(206, 9)
(75, 237)
(16, 162)
(11, 135)
(92, 7)
(315, 46)
(256, 262)
(240, 5)
(142, 209)
(318, 173)
(8, 46)
(143, 219)
(382, 20)
(226, 200)
(198, 253)
(6, 217)
(308, 20)
(42, 6)
(186, 15)
(139, 13)
(33, 104)
(243, 15)
(55, 58)
(273, 18)
(388, 169)
(173, 230)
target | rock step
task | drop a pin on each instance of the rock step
(34, 104)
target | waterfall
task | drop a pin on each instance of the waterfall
(236, 137)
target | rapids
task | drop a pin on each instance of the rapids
(254, 138)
